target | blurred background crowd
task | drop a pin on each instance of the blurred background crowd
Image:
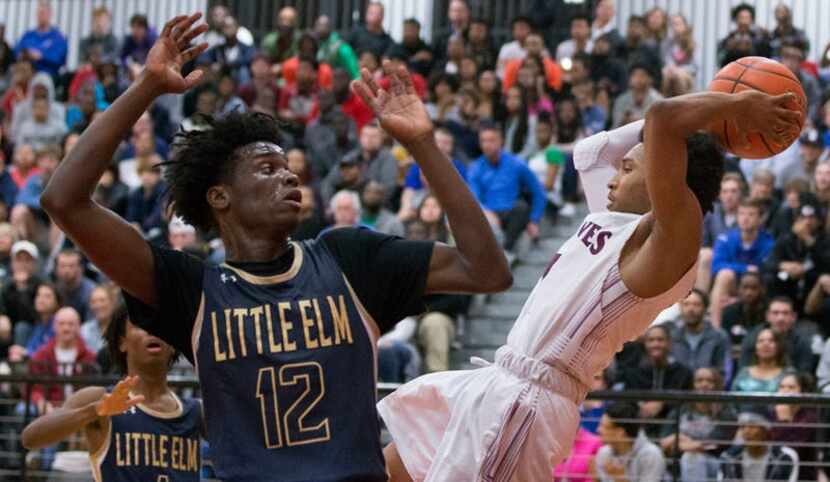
(508, 110)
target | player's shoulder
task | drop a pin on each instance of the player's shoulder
(167, 258)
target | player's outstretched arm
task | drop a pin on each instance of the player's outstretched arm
(478, 264)
(111, 243)
(675, 238)
(87, 409)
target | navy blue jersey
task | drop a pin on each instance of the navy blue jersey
(295, 349)
(147, 446)
(285, 350)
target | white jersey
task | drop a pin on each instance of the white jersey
(580, 313)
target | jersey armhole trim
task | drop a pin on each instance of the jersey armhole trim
(197, 332)
(97, 458)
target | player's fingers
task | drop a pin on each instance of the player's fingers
(193, 78)
(133, 401)
(367, 78)
(184, 25)
(789, 115)
(784, 98)
(361, 89)
(185, 40)
(168, 27)
(406, 79)
(193, 52)
(743, 138)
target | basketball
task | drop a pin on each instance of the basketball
(768, 76)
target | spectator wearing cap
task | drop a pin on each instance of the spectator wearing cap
(307, 48)
(799, 256)
(747, 38)
(44, 45)
(18, 295)
(371, 161)
(137, 44)
(497, 179)
(520, 28)
(754, 458)
(370, 36)
(101, 38)
(231, 54)
(627, 454)
(785, 32)
(633, 104)
(810, 148)
(281, 44)
(333, 50)
(793, 54)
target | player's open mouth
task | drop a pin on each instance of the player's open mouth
(293, 197)
(154, 347)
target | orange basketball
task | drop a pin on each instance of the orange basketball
(768, 76)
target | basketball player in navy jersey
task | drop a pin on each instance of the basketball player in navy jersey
(283, 334)
(140, 431)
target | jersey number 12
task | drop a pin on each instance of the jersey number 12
(289, 428)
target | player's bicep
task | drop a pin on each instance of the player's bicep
(114, 246)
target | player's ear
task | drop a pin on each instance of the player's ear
(218, 197)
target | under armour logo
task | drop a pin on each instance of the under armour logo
(225, 277)
(132, 409)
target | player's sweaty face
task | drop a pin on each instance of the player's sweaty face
(264, 192)
(627, 190)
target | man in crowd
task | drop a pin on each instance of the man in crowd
(626, 453)
(45, 46)
(281, 44)
(723, 217)
(370, 35)
(695, 342)
(633, 104)
(580, 40)
(781, 319)
(755, 458)
(373, 161)
(74, 287)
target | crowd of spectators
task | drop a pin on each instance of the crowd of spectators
(508, 112)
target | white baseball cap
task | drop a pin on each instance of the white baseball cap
(25, 247)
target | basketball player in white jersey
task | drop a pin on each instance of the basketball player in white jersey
(648, 186)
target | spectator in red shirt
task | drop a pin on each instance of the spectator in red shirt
(351, 104)
(535, 46)
(23, 165)
(299, 104)
(22, 73)
(65, 354)
(306, 47)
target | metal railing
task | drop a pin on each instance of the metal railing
(11, 422)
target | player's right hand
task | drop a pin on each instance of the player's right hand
(172, 50)
(757, 112)
(119, 401)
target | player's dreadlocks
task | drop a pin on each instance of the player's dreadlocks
(204, 158)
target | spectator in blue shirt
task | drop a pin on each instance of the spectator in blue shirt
(737, 251)
(44, 46)
(499, 182)
(722, 218)
(137, 44)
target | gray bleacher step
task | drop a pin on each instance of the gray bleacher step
(489, 326)
(511, 297)
(502, 311)
(460, 359)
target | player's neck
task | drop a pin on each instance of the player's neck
(152, 384)
(253, 246)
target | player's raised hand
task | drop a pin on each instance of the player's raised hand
(119, 401)
(400, 110)
(172, 50)
(767, 115)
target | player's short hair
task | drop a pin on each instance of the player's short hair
(753, 203)
(116, 330)
(705, 168)
(204, 158)
(625, 415)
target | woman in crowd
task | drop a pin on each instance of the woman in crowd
(702, 426)
(102, 304)
(520, 126)
(29, 336)
(795, 425)
(768, 367)
(491, 105)
(431, 214)
(534, 86)
(442, 103)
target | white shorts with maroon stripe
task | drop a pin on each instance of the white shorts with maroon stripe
(498, 423)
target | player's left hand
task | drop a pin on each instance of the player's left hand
(400, 111)
(119, 401)
(767, 115)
